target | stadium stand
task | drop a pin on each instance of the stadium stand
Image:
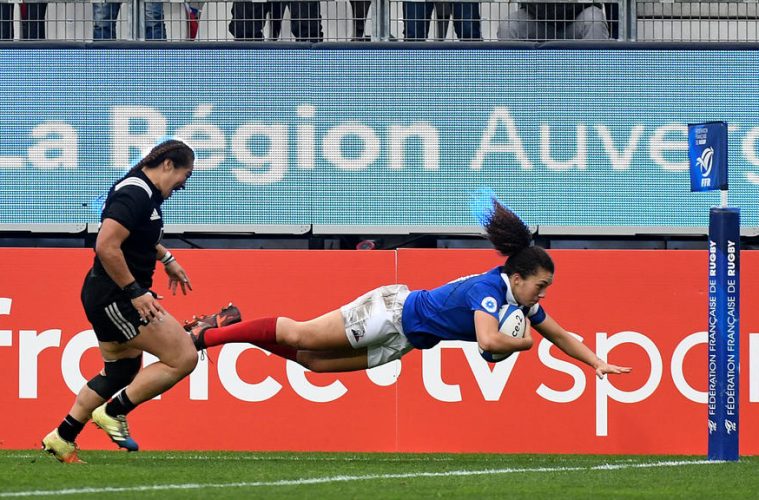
(644, 20)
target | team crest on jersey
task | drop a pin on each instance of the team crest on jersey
(489, 304)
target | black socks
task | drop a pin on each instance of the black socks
(70, 428)
(120, 405)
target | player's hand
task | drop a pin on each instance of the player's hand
(148, 307)
(526, 342)
(603, 368)
(177, 277)
(528, 330)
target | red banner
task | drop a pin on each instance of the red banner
(645, 309)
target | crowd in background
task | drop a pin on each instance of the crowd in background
(531, 21)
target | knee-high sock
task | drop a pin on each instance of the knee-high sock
(258, 331)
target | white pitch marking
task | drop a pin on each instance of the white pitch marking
(335, 479)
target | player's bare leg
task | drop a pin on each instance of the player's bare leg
(334, 361)
(325, 333)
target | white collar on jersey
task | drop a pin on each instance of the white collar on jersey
(509, 294)
(135, 181)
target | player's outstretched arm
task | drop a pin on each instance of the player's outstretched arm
(605, 368)
(562, 339)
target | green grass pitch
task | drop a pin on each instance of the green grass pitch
(217, 475)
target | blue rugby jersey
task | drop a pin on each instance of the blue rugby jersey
(447, 312)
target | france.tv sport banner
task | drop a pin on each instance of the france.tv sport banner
(393, 138)
(445, 399)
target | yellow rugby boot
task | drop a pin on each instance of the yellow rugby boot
(116, 428)
(64, 451)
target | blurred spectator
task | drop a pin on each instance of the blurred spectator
(555, 21)
(32, 21)
(611, 9)
(248, 19)
(6, 21)
(104, 17)
(417, 15)
(192, 11)
(360, 11)
(443, 16)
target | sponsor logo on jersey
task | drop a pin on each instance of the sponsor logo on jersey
(154, 215)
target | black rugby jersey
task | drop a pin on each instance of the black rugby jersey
(135, 203)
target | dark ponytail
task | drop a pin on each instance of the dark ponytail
(175, 150)
(505, 230)
(513, 239)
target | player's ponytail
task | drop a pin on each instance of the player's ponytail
(513, 239)
(505, 230)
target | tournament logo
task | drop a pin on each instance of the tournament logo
(489, 304)
(705, 161)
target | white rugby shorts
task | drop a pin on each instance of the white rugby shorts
(374, 321)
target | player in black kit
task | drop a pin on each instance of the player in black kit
(125, 314)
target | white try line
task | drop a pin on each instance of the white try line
(337, 479)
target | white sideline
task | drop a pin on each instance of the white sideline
(334, 479)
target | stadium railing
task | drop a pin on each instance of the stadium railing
(691, 21)
(340, 20)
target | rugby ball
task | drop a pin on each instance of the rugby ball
(511, 322)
